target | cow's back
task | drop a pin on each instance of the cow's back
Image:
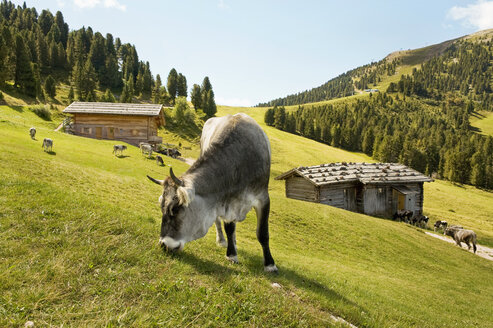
(237, 150)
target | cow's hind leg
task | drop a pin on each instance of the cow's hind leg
(230, 229)
(263, 234)
(220, 240)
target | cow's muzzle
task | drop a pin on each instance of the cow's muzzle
(170, 244)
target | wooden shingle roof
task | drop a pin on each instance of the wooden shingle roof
(366, 173)
(113, 108)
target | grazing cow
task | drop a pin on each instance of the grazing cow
(146, 149)
(173, 152)
(462, 235)
(119, 148)
(47, 144)
(440, 224)
(403, 215)
(32, 132)
(422, 220)
(159, 160)
(230, 177)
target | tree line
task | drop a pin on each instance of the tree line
(39, 52)
(436, 141)
(465, 69)
(340, 86)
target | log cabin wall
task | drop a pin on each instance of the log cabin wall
(302, 189)
(340, 195)
(129, 128)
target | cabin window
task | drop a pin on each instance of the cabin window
(121, 131)
(86, 130)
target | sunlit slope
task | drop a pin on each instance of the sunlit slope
(78, 243)
(483, 121)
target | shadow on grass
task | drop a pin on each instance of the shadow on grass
(224, 270)
(51, 152)
(122, 156)
(17, 108)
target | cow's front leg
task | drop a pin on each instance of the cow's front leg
(219, 234)
(230, 229)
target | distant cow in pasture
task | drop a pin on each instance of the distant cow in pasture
(173, 152)
(403, 215)
(159, 160)
(32, 132)
(223, 184)
(146, 149)
(440, 224)
(47, 144)
(462, 235)
(421, 221)
(119, 148)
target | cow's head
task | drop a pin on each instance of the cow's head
(179, 223)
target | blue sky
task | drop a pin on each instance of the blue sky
(255, 51)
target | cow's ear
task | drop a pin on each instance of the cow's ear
(183, 196)
(159, 182)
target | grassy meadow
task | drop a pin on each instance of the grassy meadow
(483, 121)
(78, 247)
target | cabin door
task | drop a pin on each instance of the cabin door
(99, 132)
(111, 133)
(401, 201)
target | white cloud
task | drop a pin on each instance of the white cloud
(60, 3)
(478, 15)
(239, 102)
(106, 3)
(86, 3)
(114, 4)
(222, 4)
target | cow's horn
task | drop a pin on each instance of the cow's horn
(177, 181)
(159, 182)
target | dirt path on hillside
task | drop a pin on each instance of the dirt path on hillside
(187, 160)
(483, 251)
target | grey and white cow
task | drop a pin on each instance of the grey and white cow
(230, 177)
(47, 144)
(440, 224)
(119, 148)
(32, 132)
(146, 148)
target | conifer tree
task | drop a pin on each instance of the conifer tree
(24, 75)
(181, 88)
(50, 87)
(71, 95)
(196, 96)
(208, 103)
(108, 97)
(172, 84)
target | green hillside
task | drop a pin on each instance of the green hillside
(79, 231)
(483, 121)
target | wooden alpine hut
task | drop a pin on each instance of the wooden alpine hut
(379, 189)
(131, 123)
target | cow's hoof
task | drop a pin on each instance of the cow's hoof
(232, 258)
(271, 268)
(222, 243)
